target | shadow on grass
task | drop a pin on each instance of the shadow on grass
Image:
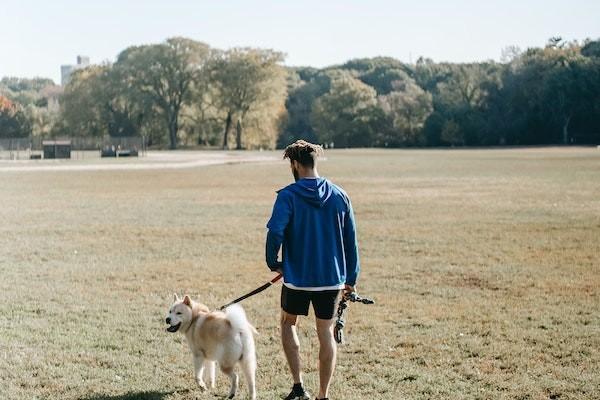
(149, 395)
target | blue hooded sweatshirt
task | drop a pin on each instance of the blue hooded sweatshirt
(313, 222)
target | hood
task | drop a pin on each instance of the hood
(315, 191)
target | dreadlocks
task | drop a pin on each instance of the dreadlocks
(304, 152)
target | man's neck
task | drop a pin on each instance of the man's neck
(309, 173)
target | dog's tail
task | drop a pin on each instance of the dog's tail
(239, 322)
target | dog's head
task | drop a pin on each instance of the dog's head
(180, 313)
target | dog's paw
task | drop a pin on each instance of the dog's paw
(201, 385)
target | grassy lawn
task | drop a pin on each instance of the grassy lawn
(485, 265)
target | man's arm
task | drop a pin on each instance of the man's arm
(273, 244)
(351, 248)
(282, 211)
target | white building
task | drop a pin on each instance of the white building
(67, 70)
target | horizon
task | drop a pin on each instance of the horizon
(462, 32)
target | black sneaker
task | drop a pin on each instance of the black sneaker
(298, 393)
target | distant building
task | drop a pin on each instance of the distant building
(67, 70)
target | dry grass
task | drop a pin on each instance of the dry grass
(485, 265)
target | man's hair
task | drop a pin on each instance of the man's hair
(304, 152)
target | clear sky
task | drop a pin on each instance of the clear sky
(36, 37)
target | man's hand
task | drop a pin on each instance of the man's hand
(277, 266)
(349, 289)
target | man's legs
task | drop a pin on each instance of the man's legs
(327, 354)
(291, 344)
(293, 303)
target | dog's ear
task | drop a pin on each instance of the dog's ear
(187, 301)
(175, 297)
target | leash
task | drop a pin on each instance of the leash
(338, 332)
(252, 293)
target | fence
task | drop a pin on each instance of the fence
(18, 148)
(28, 148)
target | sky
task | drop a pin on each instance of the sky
(36, 37)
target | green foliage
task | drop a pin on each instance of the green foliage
(591, 49)
(245, 82)
(183, 92)
(13, 121)
(163, 75)
(305, 86)
(347, 114)
(459, 98)
(408, 107)
(37, 100)
(545, 92)
(379, 72)
(541, 96)
(84, 103)
(24, 91)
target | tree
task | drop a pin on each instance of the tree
(13, 122)
(100, 100)
(547, 89)
(83, 104)
(180, 91)
(560, 97)
(379, 72)
(348, 114)
(165, 73)
(305, 86)
(408, 106)
(244, 80)
(37, 98)
(41, 119)
(591, 49)
(428, 74)
(510, 53)
(460, 97)
(564, 85)
(451, 133)
(24, 91)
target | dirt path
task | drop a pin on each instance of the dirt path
(153, 160)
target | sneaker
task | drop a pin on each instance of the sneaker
(298, 394)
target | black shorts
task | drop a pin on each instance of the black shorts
(296, 302)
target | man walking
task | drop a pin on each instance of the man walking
(313, 224)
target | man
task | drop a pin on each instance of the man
(313, 223)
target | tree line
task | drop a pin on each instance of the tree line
(183, 92)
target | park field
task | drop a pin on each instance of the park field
(485, 266)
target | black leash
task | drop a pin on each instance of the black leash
(252, 293)
(342, 306)
(338, 332)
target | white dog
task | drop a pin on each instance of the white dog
(215, 336)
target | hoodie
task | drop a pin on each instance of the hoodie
(313, 223)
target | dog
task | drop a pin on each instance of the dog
(226, 338)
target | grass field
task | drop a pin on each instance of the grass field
(485, 265)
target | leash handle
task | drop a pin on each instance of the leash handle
(355, 298)
(252, 293)
(340, 322)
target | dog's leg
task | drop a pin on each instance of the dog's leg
(209, 370)
(198, 370)
(234, 380)
(249, 368)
